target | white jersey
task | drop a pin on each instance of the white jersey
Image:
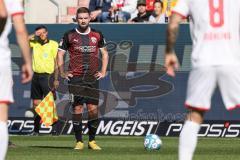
(215, 30)
(14, 7)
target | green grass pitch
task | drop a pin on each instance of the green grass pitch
(117, 148)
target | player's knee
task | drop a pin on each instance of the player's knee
(92, 110)
(92, 114)
(195, 115)
(3, 112)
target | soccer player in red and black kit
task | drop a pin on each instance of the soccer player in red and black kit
(83, 44)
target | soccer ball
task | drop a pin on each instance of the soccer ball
(29, 113)
(152, 142)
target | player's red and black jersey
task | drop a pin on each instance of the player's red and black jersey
(83, 49)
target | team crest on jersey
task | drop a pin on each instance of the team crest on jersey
(94, 39)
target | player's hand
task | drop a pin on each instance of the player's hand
(100, 75)
(37, 33)
(171, 64)
(31, 37)
(27, 73)
(66, 75)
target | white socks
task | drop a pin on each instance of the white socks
(3, 140)
(188, 140)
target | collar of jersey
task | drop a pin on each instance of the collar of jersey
(43, 43)
(89, 30)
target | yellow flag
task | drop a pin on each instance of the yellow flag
(47, 110)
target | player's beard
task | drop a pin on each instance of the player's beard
(83, 29)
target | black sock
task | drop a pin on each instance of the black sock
(55, 128)
(92, 127)
(37, 120)
(77, 126)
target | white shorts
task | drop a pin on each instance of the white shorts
(6, 86)
(203, 81)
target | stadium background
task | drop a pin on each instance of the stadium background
(163, 113)
(147, 43)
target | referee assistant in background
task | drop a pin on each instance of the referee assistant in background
(43, 62)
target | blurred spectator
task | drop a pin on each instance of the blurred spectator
(100, 10)
(122, 10)
(157, 16)
(142, 15)
(168, 5)
(83, 3)
(150, 5)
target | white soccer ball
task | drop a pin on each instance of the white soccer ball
(29, 114)
(152, 142)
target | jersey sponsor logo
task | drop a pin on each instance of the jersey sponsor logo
(208, 130)
(88, 49)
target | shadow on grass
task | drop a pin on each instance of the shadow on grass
(224, 151)
(52, 147)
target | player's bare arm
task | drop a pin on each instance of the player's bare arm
(22, 39)
(60, 64)
(103, 70)
(56, 73)
(171, 61)
(3, 11)
(3, 16)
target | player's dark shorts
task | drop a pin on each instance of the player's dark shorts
(85, 90)
(40, 85)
